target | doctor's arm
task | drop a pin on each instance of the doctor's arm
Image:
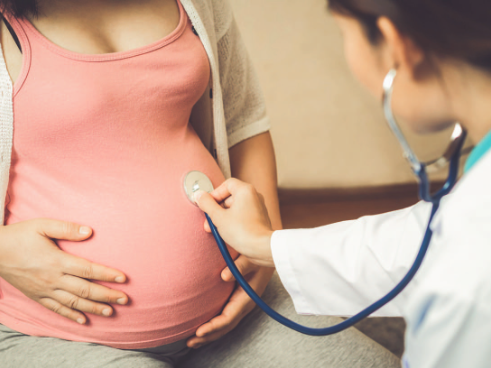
(342, 268)
(335, 270)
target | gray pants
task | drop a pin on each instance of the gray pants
(257, 341)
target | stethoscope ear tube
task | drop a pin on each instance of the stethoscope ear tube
(421, 169)
(343, 325)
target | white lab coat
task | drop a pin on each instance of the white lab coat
(340, 269)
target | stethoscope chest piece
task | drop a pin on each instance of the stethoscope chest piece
(194, 181)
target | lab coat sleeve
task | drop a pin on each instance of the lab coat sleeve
(340, 269)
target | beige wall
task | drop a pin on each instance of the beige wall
(328, 132)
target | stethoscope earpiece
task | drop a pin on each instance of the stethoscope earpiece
(421, 169)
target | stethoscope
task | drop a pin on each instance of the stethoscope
(196, 180)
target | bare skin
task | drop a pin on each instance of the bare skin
(98, 27)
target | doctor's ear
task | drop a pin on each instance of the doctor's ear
(398, 50)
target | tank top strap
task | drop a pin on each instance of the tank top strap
(11, 31)
(18, 30)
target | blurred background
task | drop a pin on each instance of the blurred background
(328, 131)
(337, 159)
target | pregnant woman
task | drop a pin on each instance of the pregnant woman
(103, 261)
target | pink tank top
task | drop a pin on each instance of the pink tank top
(105, 140)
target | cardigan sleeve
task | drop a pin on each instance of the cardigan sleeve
(243, 101)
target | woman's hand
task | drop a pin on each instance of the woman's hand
(243, 221)
(238, 306)
(32, 263)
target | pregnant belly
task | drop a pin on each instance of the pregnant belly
(144, 225)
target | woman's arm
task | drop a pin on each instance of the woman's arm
(253, 161)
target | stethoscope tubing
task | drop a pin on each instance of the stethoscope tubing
(424, 192)
(348, 322)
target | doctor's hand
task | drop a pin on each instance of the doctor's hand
(242, 220)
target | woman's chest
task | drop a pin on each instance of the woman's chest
(100, 27)
(143, 96)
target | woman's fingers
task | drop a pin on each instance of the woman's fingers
(87, 270)
(74, 302)
(217, 323)
(207, 226)
(244, 266)
(53, 278)
(65, 230)
(211, 331)
(62, 310)
(92, 291)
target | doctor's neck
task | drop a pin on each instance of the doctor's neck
(471, 101)
(469, 97)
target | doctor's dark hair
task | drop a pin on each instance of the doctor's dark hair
(458, 29)
(19, 8)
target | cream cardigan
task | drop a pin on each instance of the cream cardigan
(230, 111)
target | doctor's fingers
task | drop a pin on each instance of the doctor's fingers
(208, 204)
(225, 204)
(229, 202)
(228, 188)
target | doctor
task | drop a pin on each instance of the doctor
(441, 51)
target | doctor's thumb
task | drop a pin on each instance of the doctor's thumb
(207, 203)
